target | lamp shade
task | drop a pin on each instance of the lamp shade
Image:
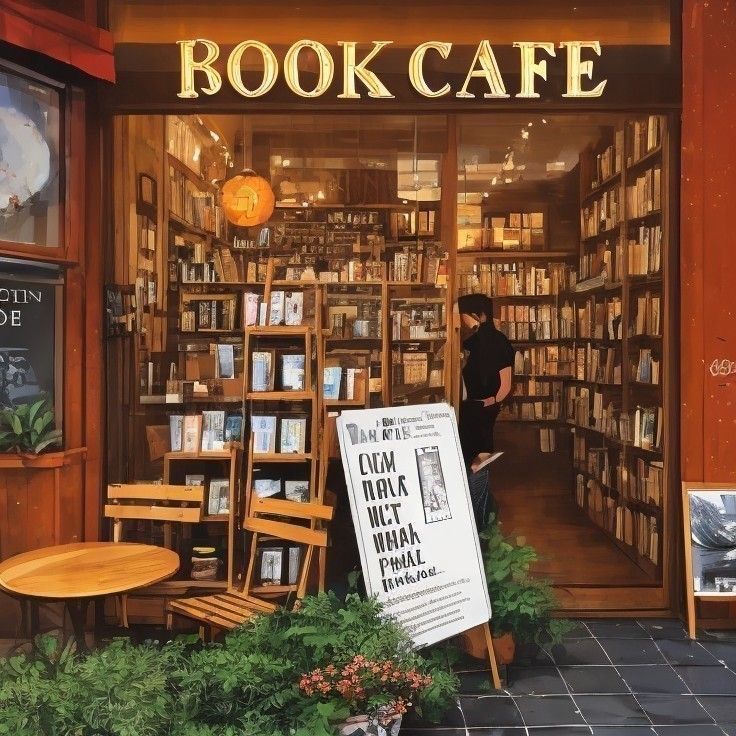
(247, 199)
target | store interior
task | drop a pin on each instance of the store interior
(379, 222)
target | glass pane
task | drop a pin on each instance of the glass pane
(29, 162)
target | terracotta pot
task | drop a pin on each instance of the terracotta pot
(505, 647)
(382, 724)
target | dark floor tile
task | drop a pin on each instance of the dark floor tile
(560, 731)
(483, 712)
(632, 651)
(495, 731)
(452, 718)
(702, 730)
(579, 651)
(617, 629)
(722, 709)
(654, 679)
(535, 681)
(611, 710)
(664, 628)
(728, 728)
(529, 655)
(549, 710)
(675, 710)
(623, 731)
(432, 731)
(593, 680)
(475, 683)
(685, 652)
(579, 631)
(705, 680)
(723, 651)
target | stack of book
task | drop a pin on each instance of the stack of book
(551, 360)
(645, 194)
(648, 315)
(645, 251)
(529, 323)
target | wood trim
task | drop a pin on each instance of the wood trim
(154, 513)
(47, 460)
(290, 532)
(194, 494)
(296, 509)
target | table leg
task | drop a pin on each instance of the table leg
(29, 618)
(77, 608)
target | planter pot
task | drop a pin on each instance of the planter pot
(382, 724)
(505, 647)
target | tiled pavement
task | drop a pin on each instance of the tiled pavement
(627, 677)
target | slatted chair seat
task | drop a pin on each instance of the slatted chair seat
(223, 610)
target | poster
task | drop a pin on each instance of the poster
(413, 518)
(713, 534)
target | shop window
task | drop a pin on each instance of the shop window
(30, 166)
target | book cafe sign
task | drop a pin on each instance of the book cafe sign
(360, 76)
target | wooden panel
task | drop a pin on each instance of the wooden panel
(195, 494)
(14, 508)
(291, 508)
(291, 532)
(40, 509)
(70, 523)
(154, 513)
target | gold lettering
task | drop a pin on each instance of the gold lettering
(270, 68)
(416, 67)
(351, 70)
(576, 69)
(488, 69)
(291, 68)
(530, 66)
(189, 66)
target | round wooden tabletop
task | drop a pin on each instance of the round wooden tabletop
(86, 569)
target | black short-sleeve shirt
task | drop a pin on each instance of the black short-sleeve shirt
(489, 353)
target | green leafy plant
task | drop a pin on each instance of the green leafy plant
(521, 603)
(28, 428)
(245, 685)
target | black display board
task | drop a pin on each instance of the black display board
(30, 339)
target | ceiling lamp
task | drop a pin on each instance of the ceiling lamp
(248, 199)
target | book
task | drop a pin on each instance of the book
(262, 374)
(294, 308)
(292, 372)
(191, 432)
(233, 428)
(293, 435)
(218, 497)
(213, 431)
(332, 377)
(277, 308)
(251, 303)
(263, 428)
(267, 487)
(194, 479)
(295, 554)
(271, 565)
(176, 426)
(225, 361)
(297, 490)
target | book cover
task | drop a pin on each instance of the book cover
(293, 435)
(292, 372)
(213, 431)
(218, 497)
(277, 308)
(267, 487)
(294, 308)
(271, 565)
(297, 490)
(191, 430)
(176, 427)
(263, 428)
(226, 361)
(262, 376)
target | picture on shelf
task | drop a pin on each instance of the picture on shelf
(331, 382)
(297, 490)
(213, 431)
(226, 361)
(192, 428)
(233, 428)
(194, 479)
(218, 497)
(294, 308)
(262, 373)
(267, 487)
(293, 435)
(271, 565)
(292, 372)
(264, 434)
(713, 533)
(295, 554)
(176, 428)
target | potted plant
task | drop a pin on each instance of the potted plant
(377, 693)
(522, 604)
(28, 429)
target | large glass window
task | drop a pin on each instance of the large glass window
(30, 170)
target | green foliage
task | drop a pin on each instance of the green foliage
(247, 685)
(28, 428)
(521, 603)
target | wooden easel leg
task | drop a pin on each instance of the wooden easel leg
(492, 657)
(691, 623)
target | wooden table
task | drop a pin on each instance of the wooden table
(85, 571)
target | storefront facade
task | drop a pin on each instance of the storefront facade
(439, 81)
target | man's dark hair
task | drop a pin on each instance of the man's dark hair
(475, 304)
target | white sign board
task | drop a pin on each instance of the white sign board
(413, 518)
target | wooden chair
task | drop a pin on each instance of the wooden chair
(230, 609)
(150, 502)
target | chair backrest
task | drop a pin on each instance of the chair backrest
(153, 502)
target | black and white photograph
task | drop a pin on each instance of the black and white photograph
(713, 532)
(432, 485)
(271, 565)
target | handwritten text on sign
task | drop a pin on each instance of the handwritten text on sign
(411, 508)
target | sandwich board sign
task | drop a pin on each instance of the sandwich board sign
(413, 518)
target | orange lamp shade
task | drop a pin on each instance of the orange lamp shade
(247, 199)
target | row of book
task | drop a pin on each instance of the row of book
(645, 194)
(602, 214)
(283, 308)
(606, 260)
(535, 387)
(412, 368)
(643, 136)
(183, 143)
(201, 313)
(647, 367)
(263, 374)
(529, 322)
(645, 251)
(608, 162)
(588, 409)
(514, 231)
(530, 411)
(598, 365)
(343, 382)
(599, 318)
(550, 360)
(414, 322)
(196, 207)
(642, 480)
(518, 278)
(413, 266)
(209, 431)
(287, 433)
(647, 319)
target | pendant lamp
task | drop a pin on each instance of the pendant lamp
(248, 199)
